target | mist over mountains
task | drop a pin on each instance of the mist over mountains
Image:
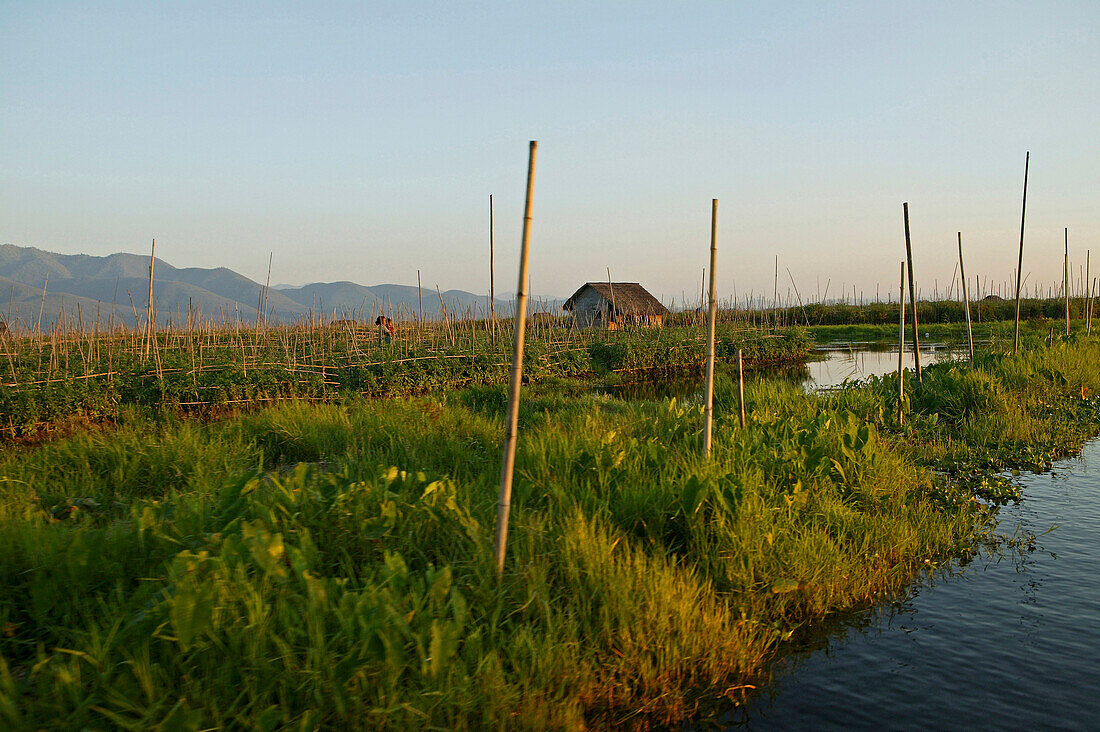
(116, 287)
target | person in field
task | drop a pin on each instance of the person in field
(385, 328)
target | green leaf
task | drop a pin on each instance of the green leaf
(192, 611)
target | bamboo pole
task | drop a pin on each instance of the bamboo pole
(508, 460)
(901, 348)
(741, 386)
(492, 291)
(613, 306)
(1092, 306)
(420, 296)
(799, 296)
(708, 409)
(149, 304)
(267, 286)
(1088, 292)
(966, 300)
(1020, 266)
(912, 295)
(775, 294)
(1065, 279)
(42, 307)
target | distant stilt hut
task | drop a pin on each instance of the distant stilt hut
(614, 305)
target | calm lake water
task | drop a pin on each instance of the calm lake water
(834, 363)
(829, 366)
(1008, 641)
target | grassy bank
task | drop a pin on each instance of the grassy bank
(93, 378)
(329, 564)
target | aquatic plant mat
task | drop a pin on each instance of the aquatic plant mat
(329, 565)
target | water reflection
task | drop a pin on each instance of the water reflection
(829, 366)
(834, 364)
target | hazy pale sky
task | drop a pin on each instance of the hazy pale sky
(361, 140)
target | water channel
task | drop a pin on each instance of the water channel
(1009, 640)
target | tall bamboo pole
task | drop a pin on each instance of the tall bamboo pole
(775, 294)
(611, 287)
(267, 286)
(901, 348)
(492, 289)
(1092, 306)
(912, 294)
(420, 296)
(1088, 290)
(1020, 266)
(966, 300)
(508, 461)
(708, 409)
(149, 304)
(42, 308)
(741, 387)
(1065, 279)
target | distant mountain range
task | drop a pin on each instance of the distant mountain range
(116, 287)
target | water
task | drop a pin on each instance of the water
(829, 366)
(1009, 641)
(835, 363)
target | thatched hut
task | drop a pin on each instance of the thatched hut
(613, 305)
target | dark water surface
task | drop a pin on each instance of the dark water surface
(1009, 641)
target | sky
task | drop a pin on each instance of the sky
(361, 141)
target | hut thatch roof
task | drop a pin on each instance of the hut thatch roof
(630, 298)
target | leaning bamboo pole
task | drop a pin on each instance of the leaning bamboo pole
(149, 327)
(966, 300)
(708, 410)
(614, 307)
(1020, 265)
(912, 294)
(1092, 306)
(508, 460)
(901, 348)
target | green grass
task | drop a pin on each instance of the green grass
(329, 565)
